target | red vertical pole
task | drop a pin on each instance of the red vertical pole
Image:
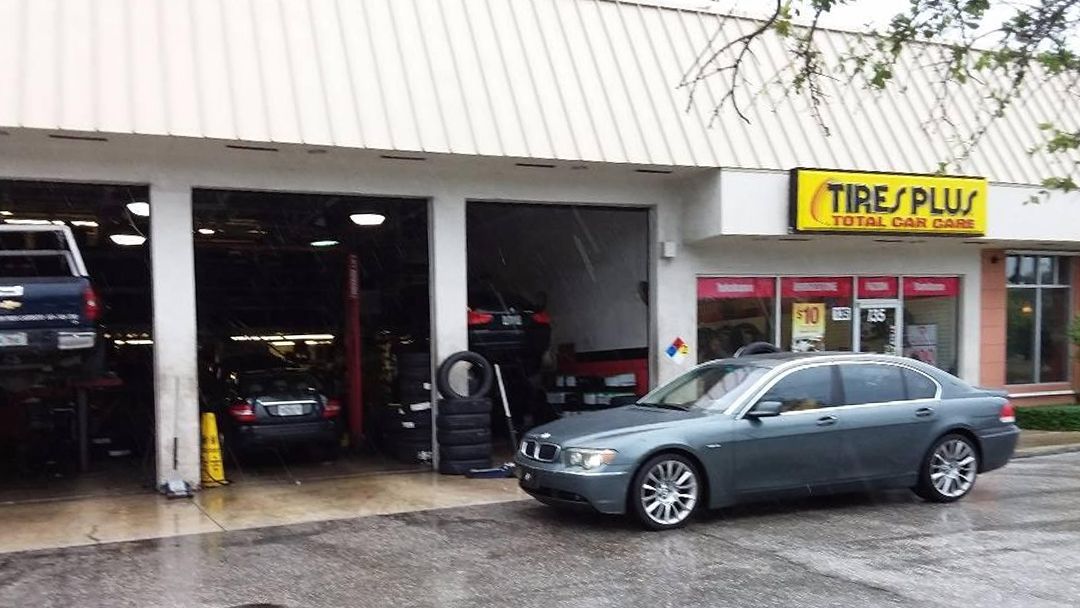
(352, 350)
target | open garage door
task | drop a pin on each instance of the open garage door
(76, 373)
(313, 320)
(558, 295)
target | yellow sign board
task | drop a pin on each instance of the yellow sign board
(851, 201)
(807, 326)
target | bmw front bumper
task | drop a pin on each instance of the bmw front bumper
(552, 483)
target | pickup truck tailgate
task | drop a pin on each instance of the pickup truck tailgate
(46, 302)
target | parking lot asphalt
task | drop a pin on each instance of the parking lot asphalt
(1015, 541)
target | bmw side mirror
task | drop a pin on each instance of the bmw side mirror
(765, 409)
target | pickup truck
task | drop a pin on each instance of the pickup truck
(48, 308)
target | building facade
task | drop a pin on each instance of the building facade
(549, 103)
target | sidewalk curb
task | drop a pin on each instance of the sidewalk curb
(1048, 450)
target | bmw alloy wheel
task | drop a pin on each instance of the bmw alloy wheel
(953, 468)
(669, 492)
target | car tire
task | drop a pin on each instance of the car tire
(949, 469)
(462, 421)
(453, 407)
(414, 374)
(414, 361)
(464, 436)
(656, 494)
(480, 388)
(462, 467)
(399, 417)
(412, 452)
(475, 451)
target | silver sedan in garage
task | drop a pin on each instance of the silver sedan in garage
(773, 425)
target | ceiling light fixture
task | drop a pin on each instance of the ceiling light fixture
(139, 208)
(84, 223)
(280, 337)
(21, 222)
(7, 213)
(367, 219)
(127, 240)
(326, 243)
(206, 231)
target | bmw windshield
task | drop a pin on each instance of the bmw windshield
(711, 387)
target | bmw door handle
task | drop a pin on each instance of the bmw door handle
(827, 420)
(924, 412)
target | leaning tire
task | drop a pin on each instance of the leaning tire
(756, 348)
(948, 470)
(481, 388)
(453, 407)
(461, 467)
(464, 436)
(465, 452)
(462, 421)
(666, 491)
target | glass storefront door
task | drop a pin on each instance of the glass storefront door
(878, 330)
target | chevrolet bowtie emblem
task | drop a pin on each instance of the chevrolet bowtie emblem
(10, 304)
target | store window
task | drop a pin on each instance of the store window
(1037, 317)
(931, 320)
(815, 313)
(734, 312)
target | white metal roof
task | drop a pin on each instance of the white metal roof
(581, 80)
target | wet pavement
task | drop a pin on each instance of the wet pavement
(1014, 542)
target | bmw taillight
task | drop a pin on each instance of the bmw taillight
(1008, 414)
(479, 318)
(91, 305)
(331, 409)
(542, 317)
(241, 411)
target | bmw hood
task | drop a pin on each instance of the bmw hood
(599, 429)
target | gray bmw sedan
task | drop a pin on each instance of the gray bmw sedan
(781, 424)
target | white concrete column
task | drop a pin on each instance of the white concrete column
(176, 386)
(449, 284)
(673, 295)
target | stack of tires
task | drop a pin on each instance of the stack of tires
(464, 420)
(406, 424)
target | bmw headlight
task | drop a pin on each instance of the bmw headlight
(588, 459)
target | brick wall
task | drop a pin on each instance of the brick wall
(992, 329)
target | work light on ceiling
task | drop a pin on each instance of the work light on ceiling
(139, 208)
(367, 219)
(127, 240)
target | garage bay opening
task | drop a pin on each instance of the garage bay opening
(558, 297)
(76, 361)
(313, 320)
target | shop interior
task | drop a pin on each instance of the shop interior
(64, 432)
(577, 276)
(313, 302)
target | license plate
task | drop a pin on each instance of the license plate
(514, 320)
(13, 339)
(290, 409)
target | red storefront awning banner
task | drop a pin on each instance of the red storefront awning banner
(878, 287)
(722, 288)
(815, 287)
(927, 287)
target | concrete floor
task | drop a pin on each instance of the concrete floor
(43, 524)
(1013, 542)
